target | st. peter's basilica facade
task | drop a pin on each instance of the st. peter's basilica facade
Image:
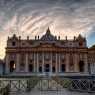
(48, 55)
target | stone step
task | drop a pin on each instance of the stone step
(18, 93)
(63, 92)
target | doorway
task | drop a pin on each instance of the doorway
(30, 67)
(81, 66)
(47, 68)
(63, 67)
(12, 66)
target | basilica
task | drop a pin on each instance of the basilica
(48, 55)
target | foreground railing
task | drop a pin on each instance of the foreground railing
(28, 84)
(83, 85)
(4, 90)
(18, 84)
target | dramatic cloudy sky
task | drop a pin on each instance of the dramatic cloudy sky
(32, 17)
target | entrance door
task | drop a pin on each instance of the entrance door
(30, 68)
(63, 67)
(47, 68)
(12, 66)
(81, 66)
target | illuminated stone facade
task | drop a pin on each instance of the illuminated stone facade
(46, 55)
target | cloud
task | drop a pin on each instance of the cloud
(32, 17)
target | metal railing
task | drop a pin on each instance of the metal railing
(82, 85)
(4, 90)
(18, 84)
(28, 84)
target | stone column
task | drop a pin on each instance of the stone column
(43, 62)
(18, 62)
(85, 63)
(34, 63)
(59, 61)
(56, 64)
(26, 63)
(76, 63)
(51, 63)
(37, 64)
(67, 62)
(7, 68)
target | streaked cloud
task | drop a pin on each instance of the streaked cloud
(32, 17)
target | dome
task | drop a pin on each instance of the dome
(48, 36)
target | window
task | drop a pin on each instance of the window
(13, 56)
(53, 57)
(47, 56)
(80, 44)
(13, 43)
